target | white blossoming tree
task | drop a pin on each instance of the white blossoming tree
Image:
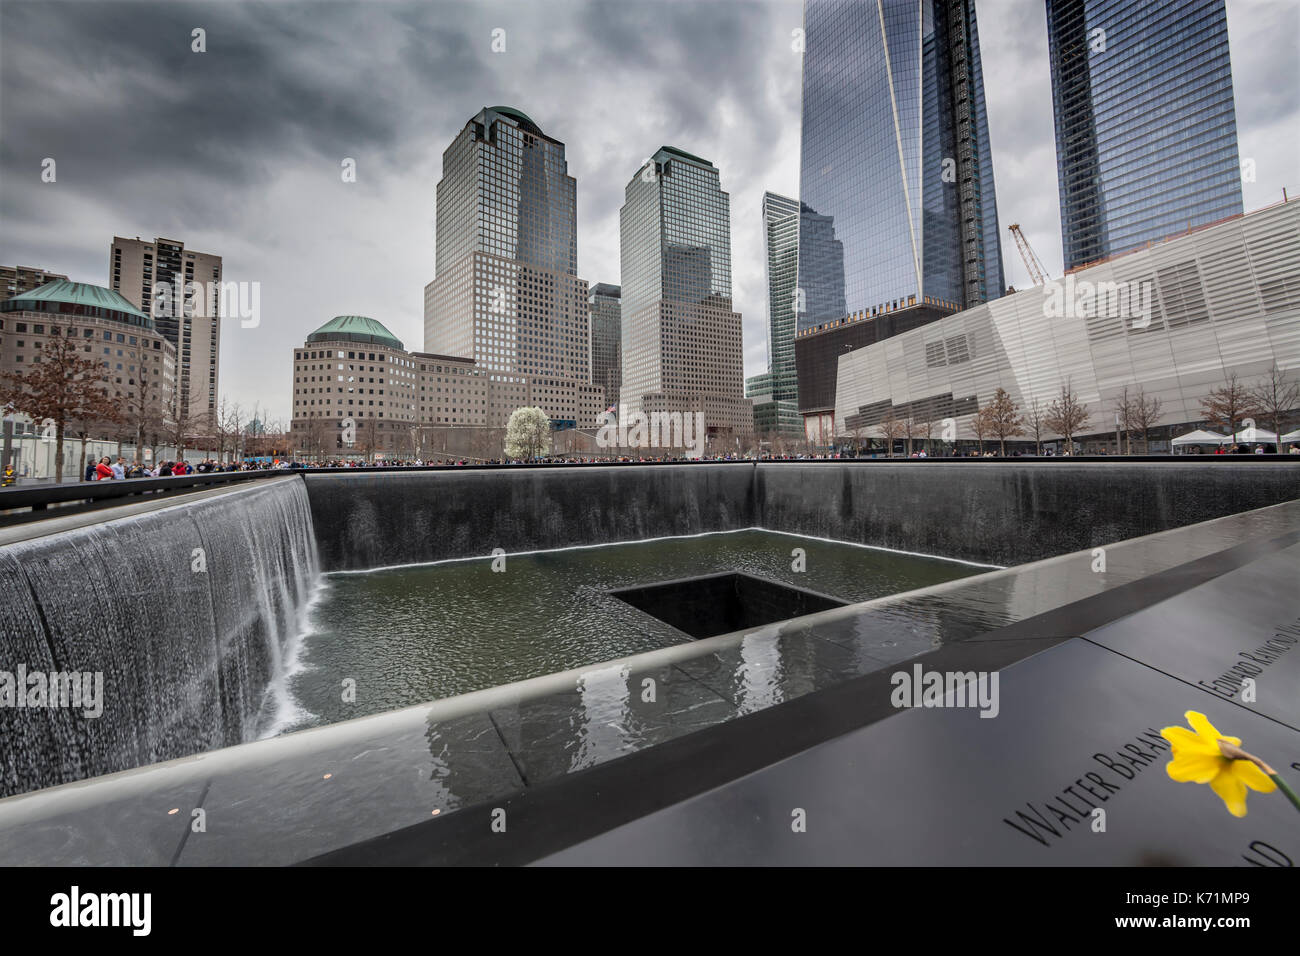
(528, 434)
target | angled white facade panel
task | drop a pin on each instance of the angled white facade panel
(1175, 319)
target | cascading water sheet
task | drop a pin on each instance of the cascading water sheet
(151, 636)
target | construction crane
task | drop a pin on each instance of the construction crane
(1032, 262)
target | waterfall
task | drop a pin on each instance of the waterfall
(191, 613)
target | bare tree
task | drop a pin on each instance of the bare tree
(176, 422)
(1274, 398)
(369, 435)
(891, 427)
(856, 430)
(1228, 404)
(142, 410)
(1124, 419)
(982, 425)
(1067, 416)
(404, 441)
(61, 389)
(925, 431)
(781, 441)
(279, 444)
(227, 425)
(234, 424)
(254, 438)
(1004, 419)
(317, 433)
(910, 433)
(96, 418)
(1144, 413)
(1036, 419)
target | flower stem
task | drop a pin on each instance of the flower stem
(1281, 785)
(1234, 752)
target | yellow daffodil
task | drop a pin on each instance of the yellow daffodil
(1207, 756)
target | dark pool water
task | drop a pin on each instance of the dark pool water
(410, 635)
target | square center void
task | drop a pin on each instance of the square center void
(721, 603)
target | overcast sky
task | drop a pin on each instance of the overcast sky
(238, 151)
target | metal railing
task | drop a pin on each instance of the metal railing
(49, 499)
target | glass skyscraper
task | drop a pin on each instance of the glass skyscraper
(781, 230)
(1146, 133)
(681, 338)
(899, 221)
(605, 309)
(507, 294)
(776, 391)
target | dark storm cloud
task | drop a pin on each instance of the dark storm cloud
(238, 151)
(118, 86)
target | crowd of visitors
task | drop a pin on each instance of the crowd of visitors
(106, 469)
(1257, 450)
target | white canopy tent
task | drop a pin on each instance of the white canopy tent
(1255, 436)
(1200, 437)
(1291, 436)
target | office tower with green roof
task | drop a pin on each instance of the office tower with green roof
(506, 292)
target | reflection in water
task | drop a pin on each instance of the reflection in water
(604, 715)
(440, 767)
(821, 269)
(759, 674)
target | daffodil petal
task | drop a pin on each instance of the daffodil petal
(1252, 776)
(1201, 724)
(1194, 767)
(1231, 791)
(1183, 739)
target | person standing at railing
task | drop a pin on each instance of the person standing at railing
(103, 470)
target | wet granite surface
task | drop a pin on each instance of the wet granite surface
(293, 798)
(1070, 772)
(997, 512)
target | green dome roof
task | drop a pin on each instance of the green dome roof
(520, 117)
(61, 292)
(355, 328)
(684, 155)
